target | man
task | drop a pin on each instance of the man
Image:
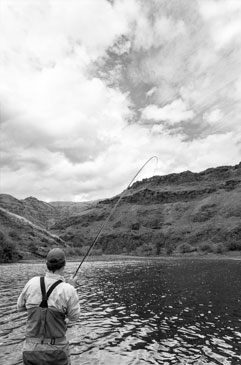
(49, 301)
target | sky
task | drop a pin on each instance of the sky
(91, 89)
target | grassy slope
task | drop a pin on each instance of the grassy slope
(155, 216)
(30, 239)
(160, 214)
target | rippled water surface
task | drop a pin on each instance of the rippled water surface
(170, 311)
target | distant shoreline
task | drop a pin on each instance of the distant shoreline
(112, 258)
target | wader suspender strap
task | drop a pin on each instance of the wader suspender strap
(44, 305)
(45, 296)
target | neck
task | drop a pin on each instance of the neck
(58, 272)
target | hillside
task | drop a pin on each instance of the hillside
(34, 210)
(68, 209)
(164, 214)
(41, 213)
(24, 238)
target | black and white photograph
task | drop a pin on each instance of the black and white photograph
(120, 182)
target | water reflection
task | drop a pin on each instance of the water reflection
(178, 311)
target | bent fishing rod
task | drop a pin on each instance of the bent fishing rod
(110, 215)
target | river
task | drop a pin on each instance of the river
(165, 311)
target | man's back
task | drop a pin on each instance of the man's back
(64, 298)
(49, 301)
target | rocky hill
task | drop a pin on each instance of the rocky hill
(21, 238)
(182, 212)
(41, 213)
(25, 225)
(185, 212)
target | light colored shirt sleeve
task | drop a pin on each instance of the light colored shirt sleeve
(21, 303)
(73, 308)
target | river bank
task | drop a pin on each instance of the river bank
(231, 255)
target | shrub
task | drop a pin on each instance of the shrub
(14, 234)
(234, 245)
(219, 248)
(8, 250)
(81, 251)
(169, 249)
(72, 251)
(32, 248)
(97, 252)
(185, 248)
(145, 249)
(44, 239)
(206, 247)
(135, 226)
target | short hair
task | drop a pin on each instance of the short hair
(53, 266)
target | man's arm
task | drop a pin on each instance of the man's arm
(21, 303)
(73, 309)
(22, 299)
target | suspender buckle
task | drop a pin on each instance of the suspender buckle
(52, 341)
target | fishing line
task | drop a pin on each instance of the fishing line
(111, 213)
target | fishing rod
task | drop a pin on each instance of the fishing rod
(111, 213)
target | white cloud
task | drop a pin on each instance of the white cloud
(224, 20)
(77, 120)
(67, 135)
(57, 116)
(172, 113)
(210, 151)
(50, 29)
(48, 87)
(149, 33)
(151, 91)
(216, 8)
(213, 116)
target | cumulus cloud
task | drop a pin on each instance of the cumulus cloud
(190, 64)
(213, 116)
(171, 113)
(91, 89)
(223, 19)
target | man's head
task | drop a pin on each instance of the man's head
(55, 259)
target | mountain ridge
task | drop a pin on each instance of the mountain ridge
(183, 212)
